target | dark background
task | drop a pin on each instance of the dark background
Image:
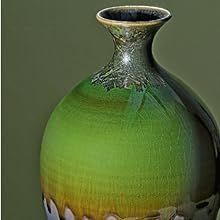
(49, 45)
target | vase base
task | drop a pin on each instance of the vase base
(206, 210)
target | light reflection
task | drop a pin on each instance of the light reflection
(126, 58)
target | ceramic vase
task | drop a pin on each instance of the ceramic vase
(131, 141)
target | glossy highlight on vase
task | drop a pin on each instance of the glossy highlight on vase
(131, 141)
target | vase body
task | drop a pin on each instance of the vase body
(130, 141)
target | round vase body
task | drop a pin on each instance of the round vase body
(130, 142)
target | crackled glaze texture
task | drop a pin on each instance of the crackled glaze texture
(130, 141)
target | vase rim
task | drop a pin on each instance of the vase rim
(148, 15)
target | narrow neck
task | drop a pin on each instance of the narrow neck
(134, 54)
(133, 29)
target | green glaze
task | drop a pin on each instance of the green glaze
(129, 141)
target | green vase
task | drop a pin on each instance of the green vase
(131, 141)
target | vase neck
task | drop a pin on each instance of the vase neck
(132, 61)
(134, 52)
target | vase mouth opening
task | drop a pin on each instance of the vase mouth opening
(133, 15)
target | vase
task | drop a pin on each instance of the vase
(131, 141)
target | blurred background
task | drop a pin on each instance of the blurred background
(50, 45)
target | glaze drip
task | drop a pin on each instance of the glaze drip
(171, 213)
